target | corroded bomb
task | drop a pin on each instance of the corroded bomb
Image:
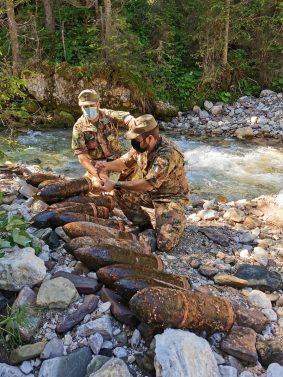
(36, 178)
(128, 287)
(64, 189)
(53, 219)
(48, 182)
(99, 200)
(79, 242)
(179, 309)
(110, 274)
(86, 209)
(82, 228)
(97, 257)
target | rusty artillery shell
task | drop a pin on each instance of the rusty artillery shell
(64, 189)
(86, 209)
(97, 257)
(180, 309)
(48, 182)
(36, 178)
(79, 242)
(83, 228)
(128, 287)
(99, 200)
(53, 219)
(111, 274)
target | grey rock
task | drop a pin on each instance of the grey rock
(56, 294)
(227, 371)
(21, 268)
(26, 367)
(246, 374)
(120, 352)
(274, 370)
(203, 114)
(73, 365)
(95, 342)
(216, 109)
(96, 363)
(113, 368)
(9, 371)
(54, 348)
(207, 105)
(101, 325)
(183, 354)
(136, 338)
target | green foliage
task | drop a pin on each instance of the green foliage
(169, 49)
(13, 230)
(10, 325)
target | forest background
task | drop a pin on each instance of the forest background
(180, 51)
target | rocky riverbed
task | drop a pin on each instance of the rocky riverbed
(229, 249)
(247, 118)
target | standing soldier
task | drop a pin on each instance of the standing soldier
(163, 186)
(95, 134)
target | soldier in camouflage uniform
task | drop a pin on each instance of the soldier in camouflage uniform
(163, 186)
(95, 134)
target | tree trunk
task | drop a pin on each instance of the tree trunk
(226, 34)
(107, 19)
(49, 17)
(13, 35)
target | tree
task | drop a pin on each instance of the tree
(13, 35)
(49, 16)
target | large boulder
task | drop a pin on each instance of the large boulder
(181, 353)
(165, 111)
(21, 268)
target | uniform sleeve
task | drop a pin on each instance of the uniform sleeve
(159, 172)
(129, 158)
(121, 117)
(78, 142)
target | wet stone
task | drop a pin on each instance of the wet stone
(240, 342)
(259, 277)
(83, 284)
(88, 306)
(270, 351)
(95, 342)
(101, 325)
(121, 339)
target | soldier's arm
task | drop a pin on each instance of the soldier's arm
(140, 185)
(86, 163)
(160, 170)
(121, 117)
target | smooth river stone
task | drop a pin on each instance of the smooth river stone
(89, 305)
(26, 352)
(259, 277)
(83, 284)
(229, 280)
(57, 293)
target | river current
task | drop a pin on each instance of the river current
(231, 168)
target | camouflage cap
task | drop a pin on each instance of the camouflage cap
(142, 124)
(88, 97)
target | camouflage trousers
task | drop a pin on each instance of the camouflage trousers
(167, 216)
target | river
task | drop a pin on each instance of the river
(231, 168)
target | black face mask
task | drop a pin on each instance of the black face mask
(137, 146)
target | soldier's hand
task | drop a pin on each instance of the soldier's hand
(107, 185)
(100, 167)
(96, 182)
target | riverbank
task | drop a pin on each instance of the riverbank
(249, 118)
(228, 249)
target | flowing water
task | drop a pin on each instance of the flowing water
(231, 168)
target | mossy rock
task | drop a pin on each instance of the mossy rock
(165, 111)
(62, 119)
(30, 106)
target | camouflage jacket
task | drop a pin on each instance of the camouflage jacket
(99, 140)
(163, 168)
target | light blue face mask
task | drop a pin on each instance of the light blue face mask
(90, 112)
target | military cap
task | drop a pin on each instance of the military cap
(142, 124)
(88, 97)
